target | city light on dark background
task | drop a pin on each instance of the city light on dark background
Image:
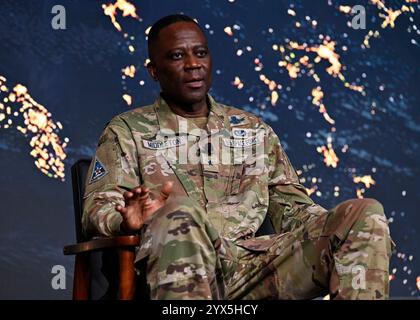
(344, 101)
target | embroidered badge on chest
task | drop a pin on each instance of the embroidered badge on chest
(242, 133)
(164, 144)
(241, 143)
(236, 120)
(98, 172)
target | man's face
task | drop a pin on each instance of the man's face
(181, 62)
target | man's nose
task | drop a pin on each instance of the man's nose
(192, 62)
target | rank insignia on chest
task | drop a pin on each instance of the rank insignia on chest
(237, 120)
(98, 171)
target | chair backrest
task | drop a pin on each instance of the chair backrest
(79, 172)
(266, 227)
(103, 266)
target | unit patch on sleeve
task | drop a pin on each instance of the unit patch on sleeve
(98, 172)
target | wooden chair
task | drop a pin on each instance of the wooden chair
(124, 245)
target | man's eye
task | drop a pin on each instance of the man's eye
(176, 55)
(202, 53)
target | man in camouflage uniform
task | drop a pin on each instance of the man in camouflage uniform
(196, 179)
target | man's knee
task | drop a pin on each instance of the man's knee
(361, 209)
(366, 214)
(372, 208)
(370, 219)
(363, 205)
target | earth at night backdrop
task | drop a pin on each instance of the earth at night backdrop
(343, 105)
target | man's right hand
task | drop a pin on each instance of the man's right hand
(139, 206)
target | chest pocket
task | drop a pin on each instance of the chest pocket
(155, 156)
(242, 155)
(244, 174)
(249, 158)
(235, 179)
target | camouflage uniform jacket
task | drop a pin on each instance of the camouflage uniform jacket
(144, 147)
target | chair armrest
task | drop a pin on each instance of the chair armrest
(102, 243)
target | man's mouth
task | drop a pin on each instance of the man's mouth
(195, 83)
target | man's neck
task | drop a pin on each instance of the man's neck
(199, 109)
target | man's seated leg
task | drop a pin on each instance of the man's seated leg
(186, 258)
(291, 265)
(344, 252)
(361, 241)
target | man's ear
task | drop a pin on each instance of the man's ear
(152, 70)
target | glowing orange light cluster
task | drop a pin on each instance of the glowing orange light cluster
(345, 9)
(324, 51)
(367, 180)
(125, 6)
(127, 98)
(47, 148)
(317, 95)
(128, 10)
(228, 30)
(129, 71)
(388, 15)
(238, 83)
(330, 157)
(272, 85)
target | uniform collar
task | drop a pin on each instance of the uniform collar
(171, 122)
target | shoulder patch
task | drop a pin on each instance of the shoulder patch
(98, 172)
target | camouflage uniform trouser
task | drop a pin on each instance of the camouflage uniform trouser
(344, 252)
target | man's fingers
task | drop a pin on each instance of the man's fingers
(144, 192)
(121, 209)
(128, 195)
(143, 195)
(147, 204)
(137, 190)
(135, 195)
(166, 190)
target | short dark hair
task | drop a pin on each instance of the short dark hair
(163, 23)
